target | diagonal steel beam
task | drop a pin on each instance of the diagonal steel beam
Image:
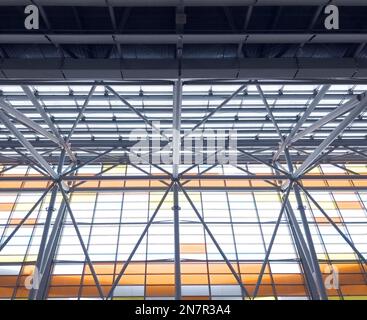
(233, 271)
(346, 107)
(309, 257)
(257, 159)
(210, 114)
(137, 112)
(200, 173)
(320, 95)
(81, 111)
(20, 117)
(147, 173)
(333, 135)
(270, 113)
(146, 161)
(11, 127)
(149, 223)
(309, 249)
(197, 164)
(318, 160)
(270, 246)
(84, 248)
(31, 96)
(253, 174)
(75, 168)
(357, 152)
(26, 217)
(8, 168)
(35, 165)
(305, 265)
(347, 240)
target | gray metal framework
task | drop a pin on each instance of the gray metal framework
(67, 127)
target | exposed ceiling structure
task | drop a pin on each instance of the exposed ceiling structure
(103, 118)
(119, 40)
(100, 77)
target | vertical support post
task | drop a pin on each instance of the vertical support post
(45, 273)
(311, 254)
(44, 259)
(176, 159)
(304, 260)
(46, 228)
(176, 222)
(314, 260)
(176, 127)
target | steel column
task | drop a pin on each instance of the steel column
(43, 259)
(45, 273)
(176, 159)
(176, 223)
(176, 128)
(309, 249)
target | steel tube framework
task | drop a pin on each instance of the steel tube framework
(288, 170)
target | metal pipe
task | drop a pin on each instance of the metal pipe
(176, 223)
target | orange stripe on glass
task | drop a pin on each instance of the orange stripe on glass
(192, 248)
(6, 206)
(349, 205)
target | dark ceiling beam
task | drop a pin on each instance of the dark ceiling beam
(174, 3)
(296, 159)
(246, 69)
(243, 144)
(247, 38)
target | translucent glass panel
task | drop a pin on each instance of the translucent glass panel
(242, 223)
